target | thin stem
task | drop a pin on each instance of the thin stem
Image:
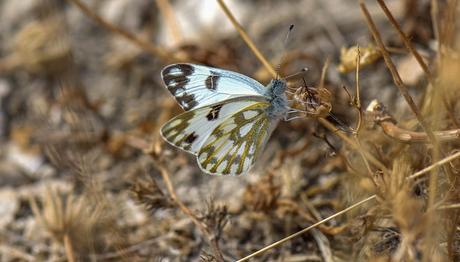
(246, 38)
(406, 40)
(323, 73)
(434, 19)
(144, 45)
(166, 11)
(150, 150)
(350, 142)
(357, 104)
(277, 243)
(403, 90)
(212, 240)
(408, 136)
(435, 165)
(357, 99)
(68, 248)
(394, 72)
(413, 176)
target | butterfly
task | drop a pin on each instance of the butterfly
(228, 116)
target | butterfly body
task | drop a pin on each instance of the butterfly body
(276, 96)
(229, 116)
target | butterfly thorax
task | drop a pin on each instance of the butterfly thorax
(276, 96)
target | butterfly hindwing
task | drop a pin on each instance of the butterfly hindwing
(196, 86)
(233, 146)
(190, 129)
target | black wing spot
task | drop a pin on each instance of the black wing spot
(214, 113)
(178, 79)
(191, 138)
(211, 81)
(174, 83)
(187, 101)
(184, 69)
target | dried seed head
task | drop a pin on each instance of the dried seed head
(147, 193)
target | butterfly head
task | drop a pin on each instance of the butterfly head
(278, 87)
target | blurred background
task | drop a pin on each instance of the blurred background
(85, 175)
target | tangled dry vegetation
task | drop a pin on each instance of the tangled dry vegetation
(85, 175)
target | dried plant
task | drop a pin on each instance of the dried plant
(147, 193)
(263, 195)
(390, 191)
(215, 218)
(71, 220)
(369, 55)
(40, 47)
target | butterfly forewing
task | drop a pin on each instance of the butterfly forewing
(196, 86)
(233, 146)
(189, 130)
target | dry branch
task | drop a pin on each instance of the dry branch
(384, 119)
(394, 72)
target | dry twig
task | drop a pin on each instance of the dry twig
(170, 19)
(144, 45)
(211, 237)
(394, 72)
(246, 38)
(372, 197)
(403, 90)
(406, 40)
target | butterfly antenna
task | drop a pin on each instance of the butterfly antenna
(283, 53)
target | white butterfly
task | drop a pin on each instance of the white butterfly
(229, 116)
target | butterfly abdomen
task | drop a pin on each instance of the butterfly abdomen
(276, 96)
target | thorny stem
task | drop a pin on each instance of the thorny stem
(246, 38)
(144, 45)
